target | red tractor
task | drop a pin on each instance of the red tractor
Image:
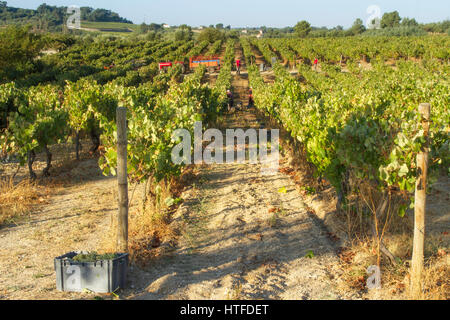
(163, 66)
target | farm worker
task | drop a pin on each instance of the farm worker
(238, 66)
(316, 61)
(250, 97)
(230, 99)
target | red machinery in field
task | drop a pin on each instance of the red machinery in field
(212, 63)
(166, 65)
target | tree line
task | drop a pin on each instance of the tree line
(52, 18)
(390, 24)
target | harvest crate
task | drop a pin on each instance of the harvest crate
(102, 276)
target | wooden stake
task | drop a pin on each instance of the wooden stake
(122, 234)
(419, 208)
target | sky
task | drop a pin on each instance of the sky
(256, 13)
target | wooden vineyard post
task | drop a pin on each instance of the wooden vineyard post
(419, 208)
(122, 234)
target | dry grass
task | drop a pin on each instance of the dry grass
(395, 279)
(150, 233)
(147, 229)
(437, 277)
(397, 233)
(16, 200)
(235, 293)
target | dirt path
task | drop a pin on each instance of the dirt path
(239, 83)
(258, 55)
(267, 75)
(244, 236)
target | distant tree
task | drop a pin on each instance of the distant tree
(219, 26)
(288, 30)
(445, 26)
(3, 4)
(228, 27)
(318, 32)
(144, 28)
(234, 34)
(155, 27)
(179, 35)
(357, 27)
(409, 22)
(85, 12)
(103, 15)
(185, 26)
(43, 8)
(440, 27)
(339, 28)
(211, 35)
(184, 33)
(390, 20)
(302, 29)
(272, 33)
(152, 36)
(335, 33)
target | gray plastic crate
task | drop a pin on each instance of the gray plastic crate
(102, 276)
